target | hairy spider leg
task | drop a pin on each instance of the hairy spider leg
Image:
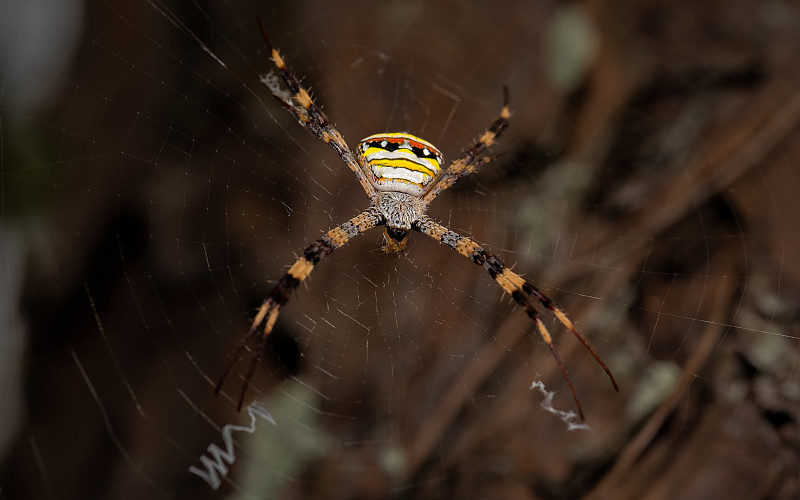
(267, 314)
(519, 289)
(471, 159)
(299, 102)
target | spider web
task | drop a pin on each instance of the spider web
(153, 193)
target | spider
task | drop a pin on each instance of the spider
(401, 174)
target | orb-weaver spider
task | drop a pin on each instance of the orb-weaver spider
(401, 175)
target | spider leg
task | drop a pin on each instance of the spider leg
(470, 160)
(299, 102)
(519, 289)
(267, 314)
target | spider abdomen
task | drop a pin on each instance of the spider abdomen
(399, 162)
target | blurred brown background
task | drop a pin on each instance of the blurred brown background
(648, 182)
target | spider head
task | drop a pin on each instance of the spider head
(399, 162)
(400, 211)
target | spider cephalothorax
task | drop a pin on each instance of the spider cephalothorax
(401, 174)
